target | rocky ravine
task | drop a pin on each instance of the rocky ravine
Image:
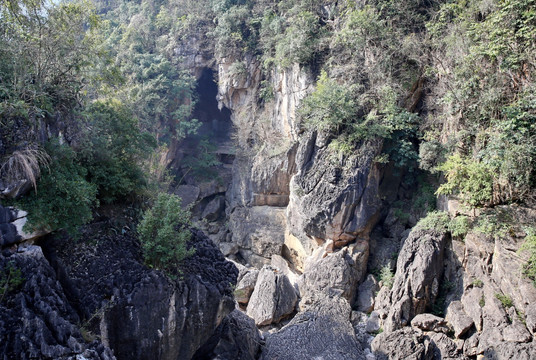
(93, 298)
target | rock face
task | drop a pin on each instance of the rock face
(237, 338)
(333, 199)
(322, 331)
(137, 312)
(37, 321)
(402, 344)
(274, 297)
(416, 284)
(12, 222)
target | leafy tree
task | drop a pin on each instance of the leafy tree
(164, 233)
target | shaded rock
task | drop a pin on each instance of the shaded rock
(37, 321)
(188, 193)
(445, 347)
(331, 199)
(279, 263)
(140, 313)
(245, 286)
(373, 324)
(272, 299)
(366, 293)
(12, 222)
(322, 331)
(429, 322)
(405, 343)
(419, 266)
(237, 337)
(472, 299)
(457, 318)
(337, 272)
(215, 209)
(508, 350)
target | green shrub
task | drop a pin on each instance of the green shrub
(529, 269)
(459, 226)
(505, 300)
(431, 155)
(164, 232)
(472, 179)
(64, 198)
(10, 279)
(387, 277)
(435, 220)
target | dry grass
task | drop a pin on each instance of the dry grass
(24, 165)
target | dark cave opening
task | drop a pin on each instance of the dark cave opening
(216, 125)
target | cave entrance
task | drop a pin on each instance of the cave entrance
(216, 125)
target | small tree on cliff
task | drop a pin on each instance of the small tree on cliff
(164, 233)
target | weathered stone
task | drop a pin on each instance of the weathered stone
(188, 193)
(373, 323)
(530, 318)
(457, 318)
(245, 286)
(236, 338)
(446, 348)
(419, 266)
(332, 200)
(366, 293)
(215, 209)
(12, 222)
(273, 298)
(429, 322)
(337, 272)
(37, 321)
(279, 263)
(508, 351)
(405, 343)
(133, 302)
(322, 331)
(472, 300)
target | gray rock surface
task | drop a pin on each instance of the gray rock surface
(245, 286)
(416, 284)
(272, 299)
(405, 343)
(338, 272)
(457, 318)
(322, 331)
(236, 338)
(335, 200)
(36, 319)
(429, 322)
(445, 347)
(366, 293)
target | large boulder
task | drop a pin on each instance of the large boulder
(330, 198)
(338, 272)
(236, 338)
(137, 312)
(322, 331)
(405, 343)
(416, 284)
(273, 299)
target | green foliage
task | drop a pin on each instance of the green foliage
(482, 301)
(329, 107)
(431, 155)
(387, 277)
(471, 179)
(459, 226)
(435, 220)
(64, 198)
(112, 149)
(201, 164)
(10, 279)
(529, 245)
(505, 300)
(477, 283)
(164, 232)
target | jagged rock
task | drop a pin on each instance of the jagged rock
(366, 293)
(373, 324)
(530, 318)
(128, 302)
(322, 331)
(245, 286)
(279, 263)
(188, 193)
(273, 298)
(333, 200)
(215, 209)
(259, 232)
(12, 222)
(236, 338)
(472, 300)
(445, 347)
(456, 317)
(508, 351)
(405, 343)
(419, 266)
(337, 272)
(36, 319)
(429, 322)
